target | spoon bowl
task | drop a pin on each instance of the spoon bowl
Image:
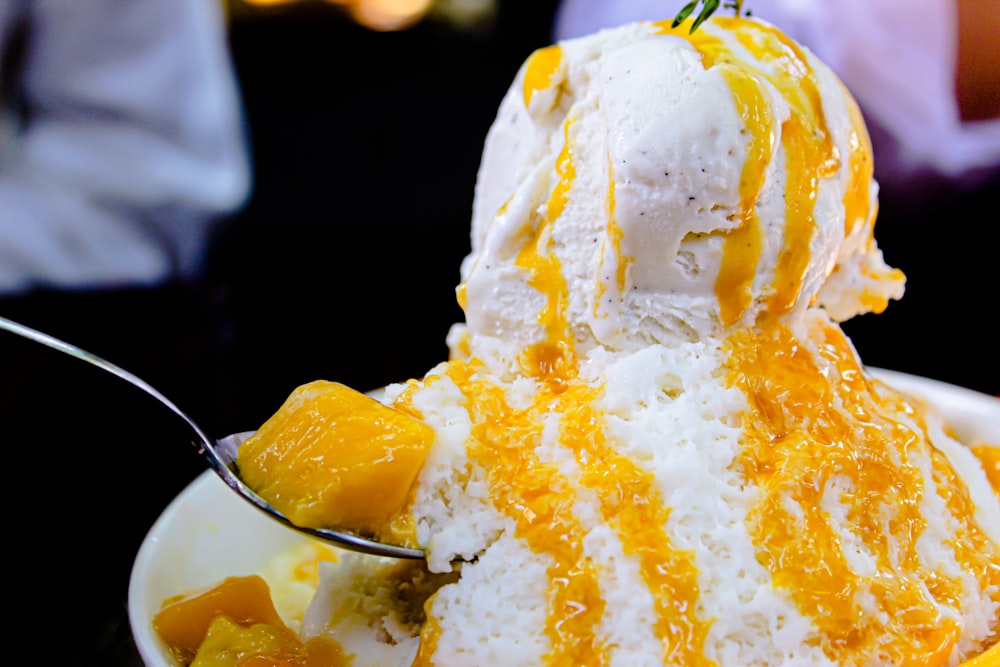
(220, 454)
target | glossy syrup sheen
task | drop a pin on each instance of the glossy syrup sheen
(812, 419)
(814, 425)
(540, 500)
(540, 71)
(810, 155)
(802, 428)
(817, 425)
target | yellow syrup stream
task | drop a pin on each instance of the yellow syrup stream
(857, 194)
(541, 500)
(816, 436)
(611, 251)
(816, 433)
(670, 574)
(553, 357)
(540, 71)
(810, 155)
(743, 246)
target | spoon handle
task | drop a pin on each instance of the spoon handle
(90, 358)
(206, 446)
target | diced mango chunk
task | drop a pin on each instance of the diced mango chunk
(332, 457)
(231, 645)
(183, 621)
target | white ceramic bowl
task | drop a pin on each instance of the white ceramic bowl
(208, 533)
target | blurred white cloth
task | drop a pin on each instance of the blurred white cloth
(121, 144)
(896, 56)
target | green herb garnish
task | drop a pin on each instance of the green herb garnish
(706, 11)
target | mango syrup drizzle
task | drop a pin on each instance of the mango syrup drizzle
(614, 478)
(611, 253)
(858, 205)
(989, 456)
(829, 593)
(973, 548)
(539, 498)
(670, 574)
(816, 434)
(743, 246)
(809, 150)
(540, 71)
(504, 440)
(430, 634)
(858, 208)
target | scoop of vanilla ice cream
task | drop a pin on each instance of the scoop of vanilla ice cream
(679, 183)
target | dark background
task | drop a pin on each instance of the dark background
(341, 266)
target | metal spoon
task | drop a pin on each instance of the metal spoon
(220, 454)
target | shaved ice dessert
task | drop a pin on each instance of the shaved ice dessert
(652, 443)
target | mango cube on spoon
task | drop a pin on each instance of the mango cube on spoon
(333, 457)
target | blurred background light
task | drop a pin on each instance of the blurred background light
(389, 14)
(383, 15)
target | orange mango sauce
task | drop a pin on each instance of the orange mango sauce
(815, 419)
(857, 194)
(743, 246)
(989, 455)
(613, 237)
(540, 71)
(814, 424)
(804, 556)
(796, 440)
(809, 150)
(857, 197)
(540, 499)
